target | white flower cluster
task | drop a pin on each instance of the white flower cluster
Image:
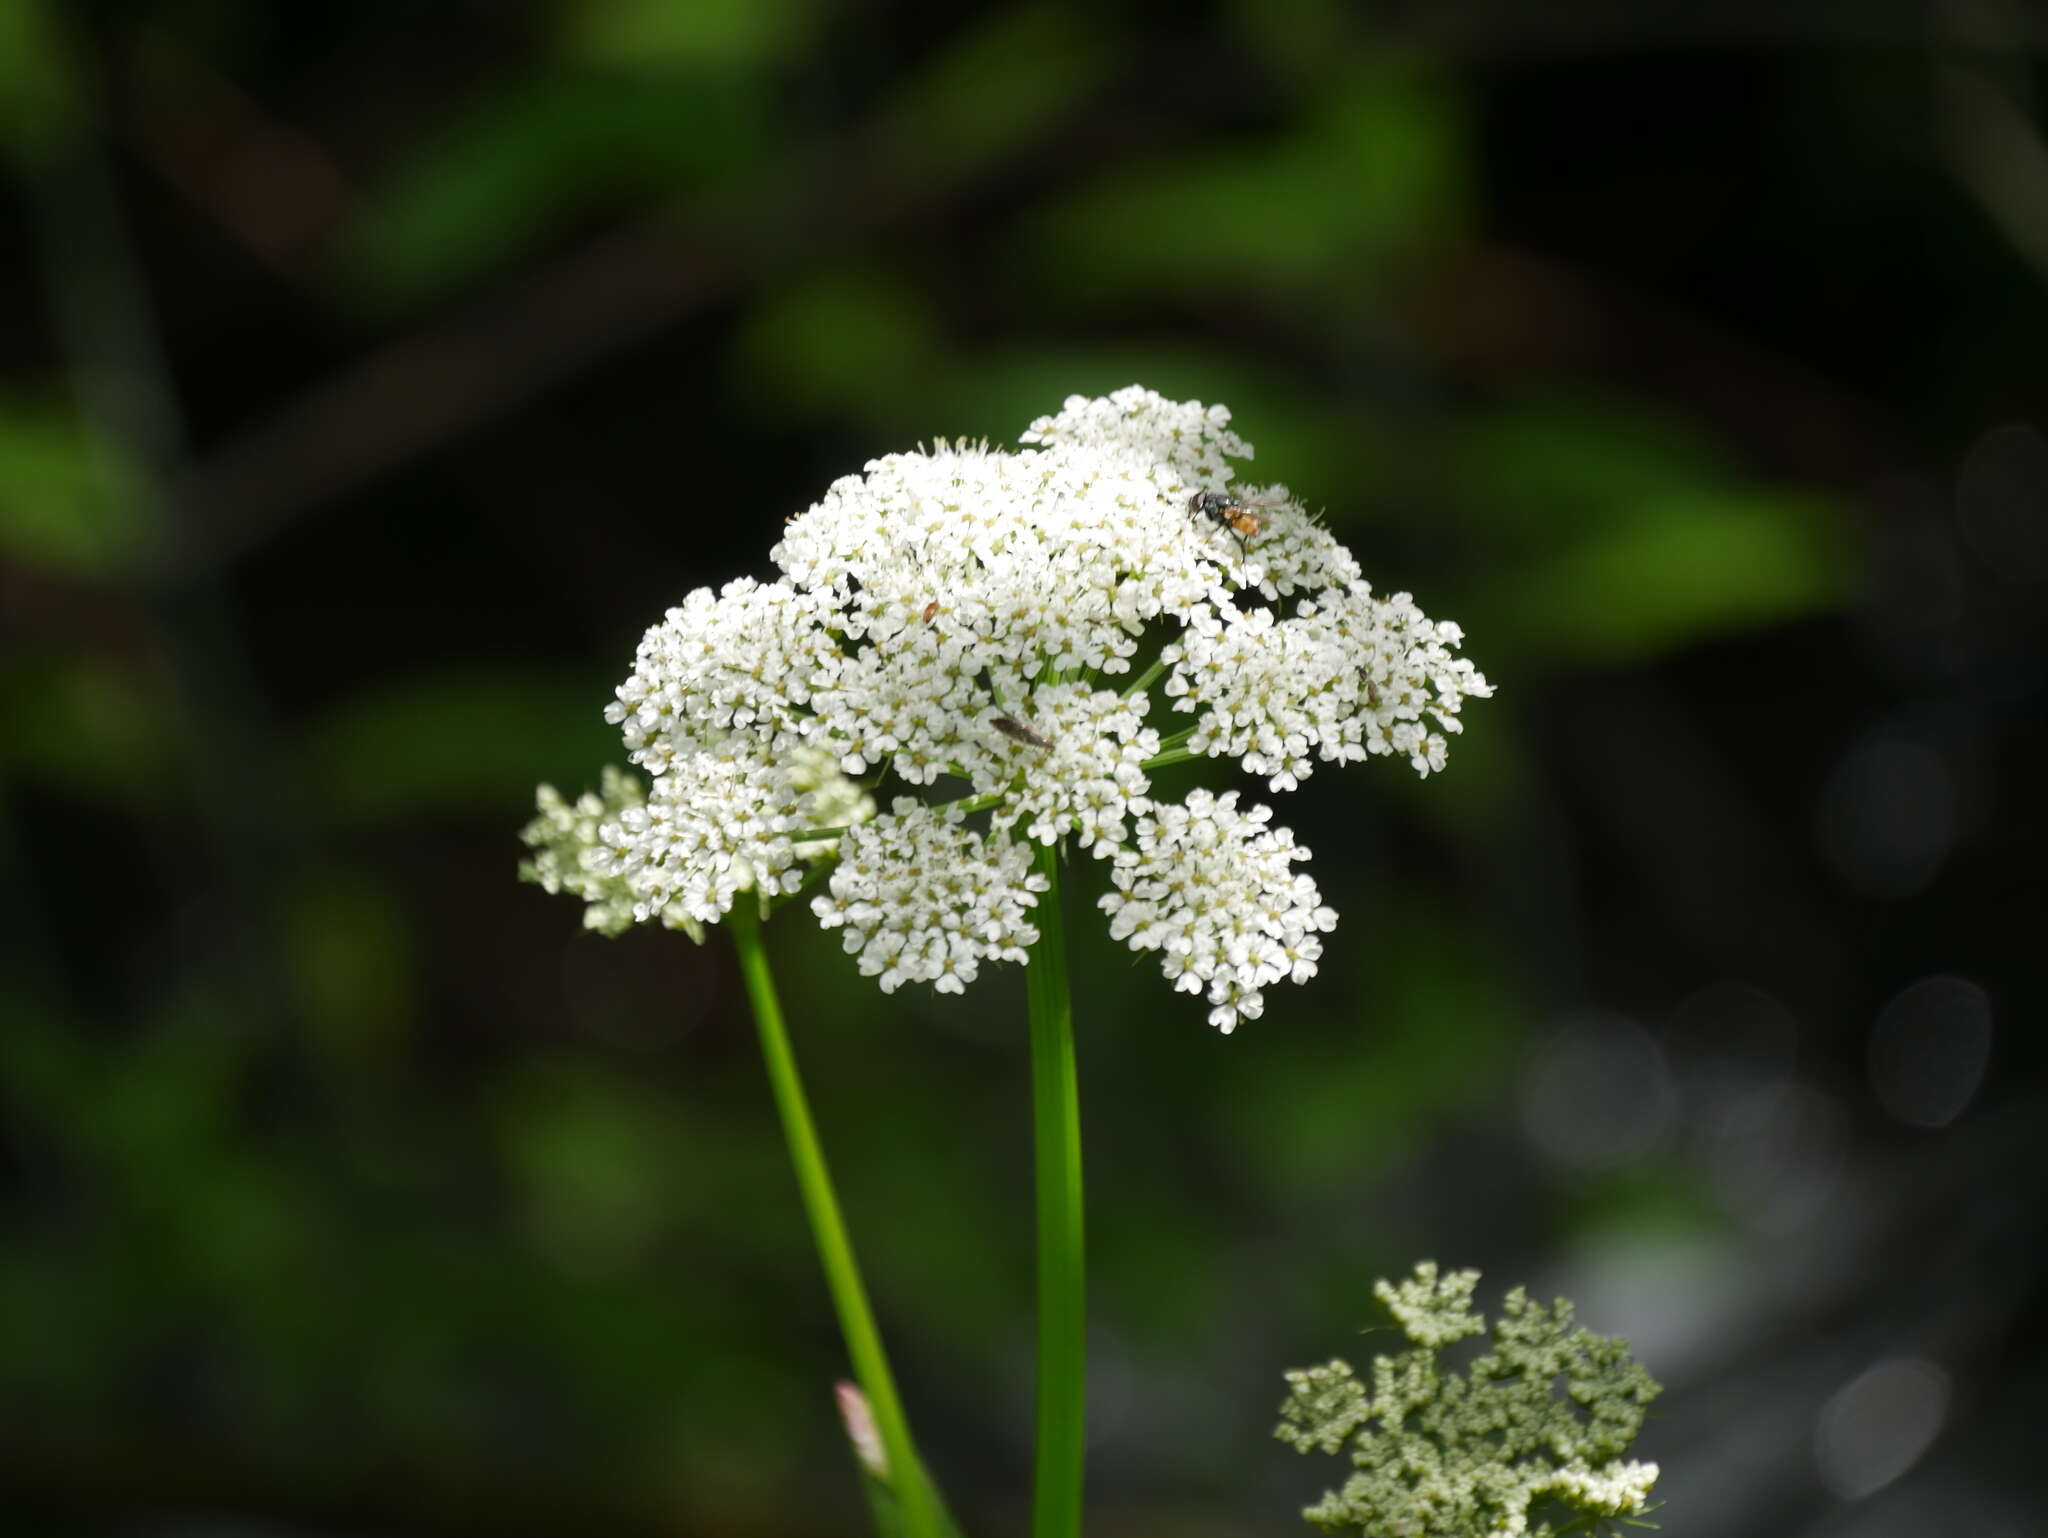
(1443, 1455)
(923, 899)
(716, 825)
(566, 857)
(1342, 678)
(1212, 889)
(963, 618)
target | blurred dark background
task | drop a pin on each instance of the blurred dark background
(371, 375)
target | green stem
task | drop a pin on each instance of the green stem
(1169, 757)
(835, 1249)
(1144, 679)
(1062, 1319)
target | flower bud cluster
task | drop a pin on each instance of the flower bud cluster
(963, 618)
(1493, 1449)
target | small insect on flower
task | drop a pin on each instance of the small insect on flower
(1017, 731)
(931, 611)
(1240, 515)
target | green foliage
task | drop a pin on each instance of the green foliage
(1623, 537)
(1447, 1455)
(409, 747)
(991, 90)
(522, 165)
(63, 501)
(1373, 173)
(85, 727)
(642, 34)
(35, 96)
(840, 343)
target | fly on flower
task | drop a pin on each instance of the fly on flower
(1242, 516)
(1017, 731)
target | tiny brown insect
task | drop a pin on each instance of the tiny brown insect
(1017, 731)
(930, 611)
(1242, 518)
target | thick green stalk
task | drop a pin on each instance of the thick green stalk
(835, 1249)
(1062, 1319)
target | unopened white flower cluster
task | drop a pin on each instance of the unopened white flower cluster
(987, 626)
(1489, 1451)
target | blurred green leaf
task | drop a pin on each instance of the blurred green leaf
(852, 343)
(351, 958)
(1682, 570)
(600, 1164)
(61, 506)
(35, 95)
(85, 726)
(662, 33)
(536, 159)
(471, 740)
(1544, 468)
(1376, 173)
(995, 89)
(1625, 536)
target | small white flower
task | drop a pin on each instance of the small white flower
(938, 593)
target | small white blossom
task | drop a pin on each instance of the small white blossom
(1213, 890)
(960, 620)
(925, 899)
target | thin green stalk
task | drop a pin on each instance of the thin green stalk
(1168, 757)
(1062, 1319)
(835, 1250)
(1144, 679)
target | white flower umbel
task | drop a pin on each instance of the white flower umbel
(1492, 1449)
(1341, 678)
(1214, 890)
(960, 622)
(715, 826)
(925, 899)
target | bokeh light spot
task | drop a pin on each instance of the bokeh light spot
(1877, 1426)
(1775, 1154)
(1929, 1049)
(1599, 1095)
